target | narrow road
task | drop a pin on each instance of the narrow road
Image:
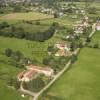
(26, 91)
(53, 80)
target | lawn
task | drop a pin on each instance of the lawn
(25, 16)
(82, 81)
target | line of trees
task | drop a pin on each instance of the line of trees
(56, 63)
(17, 58)
(4, 25)
(21, 34)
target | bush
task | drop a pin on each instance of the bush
(4, 25)
(8, 52)
(88, 39)
(73, 58)
(96, 45)
(37, 23)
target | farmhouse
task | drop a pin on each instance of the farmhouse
(32, 71)
(64, 49)
(46, 70)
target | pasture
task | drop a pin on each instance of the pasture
(81, 81)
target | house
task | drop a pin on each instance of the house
(78, 30)
(98, 26)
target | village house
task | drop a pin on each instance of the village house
(79, 30)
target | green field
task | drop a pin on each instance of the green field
(7, 71)
(81, 81)
(25, 16)
(78, 82)
(9, 94)
(66, 21)
(31, 28)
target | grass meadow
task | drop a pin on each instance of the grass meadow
(81, 81)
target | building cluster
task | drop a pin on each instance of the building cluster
(79, 28)
(32, 71)
(64, 49)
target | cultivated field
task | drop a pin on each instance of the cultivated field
(25, 16)
(66, 21)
